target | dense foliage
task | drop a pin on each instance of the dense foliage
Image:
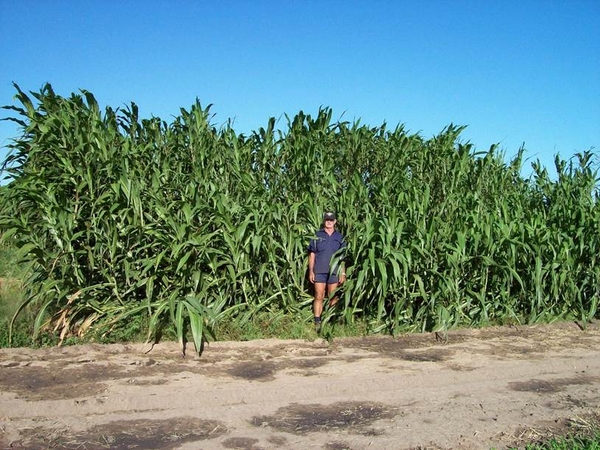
(193, 224)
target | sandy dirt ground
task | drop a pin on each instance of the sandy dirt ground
(482, 389)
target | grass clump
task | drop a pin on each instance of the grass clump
(582, 433)
(576, 442)
(12, 274)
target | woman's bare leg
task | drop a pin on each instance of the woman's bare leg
(318, 301)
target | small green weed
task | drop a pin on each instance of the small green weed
(588, 440)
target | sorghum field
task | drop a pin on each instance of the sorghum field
(191, 225)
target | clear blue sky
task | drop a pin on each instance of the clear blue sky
(514, 71)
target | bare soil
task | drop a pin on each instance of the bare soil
(491, 388)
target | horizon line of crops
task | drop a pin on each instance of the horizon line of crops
(193, 224)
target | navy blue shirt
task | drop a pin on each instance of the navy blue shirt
(324, 246)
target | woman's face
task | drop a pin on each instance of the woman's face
(330, 224)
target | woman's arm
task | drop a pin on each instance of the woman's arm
(311, 267)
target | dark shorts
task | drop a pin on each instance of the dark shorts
(328, 278)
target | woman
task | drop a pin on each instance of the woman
(320, 250)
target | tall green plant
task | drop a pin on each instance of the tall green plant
(191, 224)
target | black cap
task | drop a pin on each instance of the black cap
(329, 216)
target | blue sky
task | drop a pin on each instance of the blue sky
(516, 72)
